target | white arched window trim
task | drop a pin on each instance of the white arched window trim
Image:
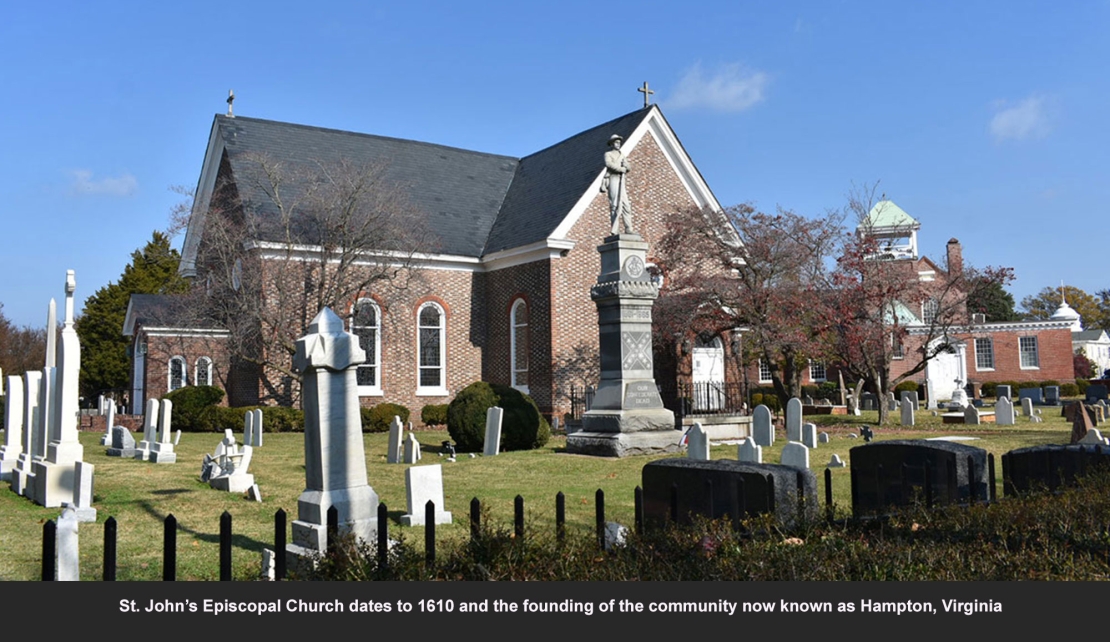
(430, 360)
(202, 372)
(373, 346)
(518, 345)
(171, 385)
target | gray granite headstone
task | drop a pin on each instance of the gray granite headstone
(68, 567)
(1027, 406)
(971, 416)
(748, 451)
(795, 454)
(1004, 412)
(492, 444)
(907, 412)
(1002, 390)
(1095, 392)
(412, 449)
(912, 396)
(893, 473)
(697, 443)
(794, 419)
(424, 484)
(123, 444)
(809, 435)
(763, 429)
(835, 462)
(1034, 394)
(823, 438)
(1037, 468)
(1052, 395)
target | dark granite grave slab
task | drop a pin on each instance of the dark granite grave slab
(1050, 466)
(1095, 392)
(738, 489)
(888, 474)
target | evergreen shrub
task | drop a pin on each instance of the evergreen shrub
(379, 417)
(522, 425)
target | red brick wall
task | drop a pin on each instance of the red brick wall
(160, 349)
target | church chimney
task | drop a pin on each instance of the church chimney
(955, 257)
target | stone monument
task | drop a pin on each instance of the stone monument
(627, 416)
(335, 458)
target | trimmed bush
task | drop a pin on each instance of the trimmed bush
(1069, 390)
(1082, 385)
(989, 389)
(378, 418)
(906, 386)
(522, 426)
(196, 409)
(434, 414)
(1048, 382)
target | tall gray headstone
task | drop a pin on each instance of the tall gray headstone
(22, 475)
(1027, 406)
(492, 444)
(335, 458)
(257, 424)
(626, 416)
(248, 427)
(795, 454)
(109, 421)
(763, 428)
(748, 451)
(396, 441)
(150, 430)
(794, 419)
(697, 443)
(1004, 412)
(161, 451)
(907, 413)
(912, 396)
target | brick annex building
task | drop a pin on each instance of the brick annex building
(504, 296)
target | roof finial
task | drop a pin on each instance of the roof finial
(1063, 301)
(647, 93)
(230, 99)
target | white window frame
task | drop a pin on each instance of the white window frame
(897, 348)
(519, 376)
(988, 343)
(764, 367)
(169, 373)
(441, 389)
(812, 376)
(207, 380)
(930, 308)
(374, 389)
(1022, 351)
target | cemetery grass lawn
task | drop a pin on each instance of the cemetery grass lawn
(139, 495)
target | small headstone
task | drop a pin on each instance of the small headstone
(269, 566)
(794, 419)
(177, 437)
(412, 449)
(891, 401)
(1094, 436)
(935, 413)
(823, 438)
(868, 401)
(555, 424)
(83, 492)
(763, 430)
(749, 451)
(867, 433)
(1027, 406)
(492, 444)
(123, 444)
(907, 412)
(424, 484)
(254, 493)
(1052, 395)
(697, 443)
(807, 400)
(616, 535)
(835, 462)
(809, 435)
(1004, 412)
(393, 454)
(795, 454)
(853, 435)
(971, 416)
(1002, 390)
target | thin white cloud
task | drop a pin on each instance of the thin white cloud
(729, 88)
(1024, 120)
(123, 185)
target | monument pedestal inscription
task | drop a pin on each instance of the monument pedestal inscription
(627, 416)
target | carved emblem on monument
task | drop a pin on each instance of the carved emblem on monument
(634, 267)
(637, 350)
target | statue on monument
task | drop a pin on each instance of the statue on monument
(616, 168)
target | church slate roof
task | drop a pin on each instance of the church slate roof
(161, 310)
(473, 202)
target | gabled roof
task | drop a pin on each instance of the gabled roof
(475, 204)
(885, 214)
(160, 310)
(1089, 335)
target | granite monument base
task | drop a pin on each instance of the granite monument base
(625, 444)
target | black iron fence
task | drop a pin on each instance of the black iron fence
(707, 398)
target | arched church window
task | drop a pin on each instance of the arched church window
(430, 337)
(203, 376)
(366, 325)
(176, 374)
(518, 320)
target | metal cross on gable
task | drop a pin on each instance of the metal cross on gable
(647, 93)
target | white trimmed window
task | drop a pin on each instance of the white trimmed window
(984, 354)
(203, 372)
(764, 372)
(816, 371)
(430, 350)
(929, 310)
(176, 375)
(366, 324)
(518, 344)
(1027, 347)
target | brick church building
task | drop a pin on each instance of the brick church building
(504, 292)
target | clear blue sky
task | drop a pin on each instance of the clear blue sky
(987, 121)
